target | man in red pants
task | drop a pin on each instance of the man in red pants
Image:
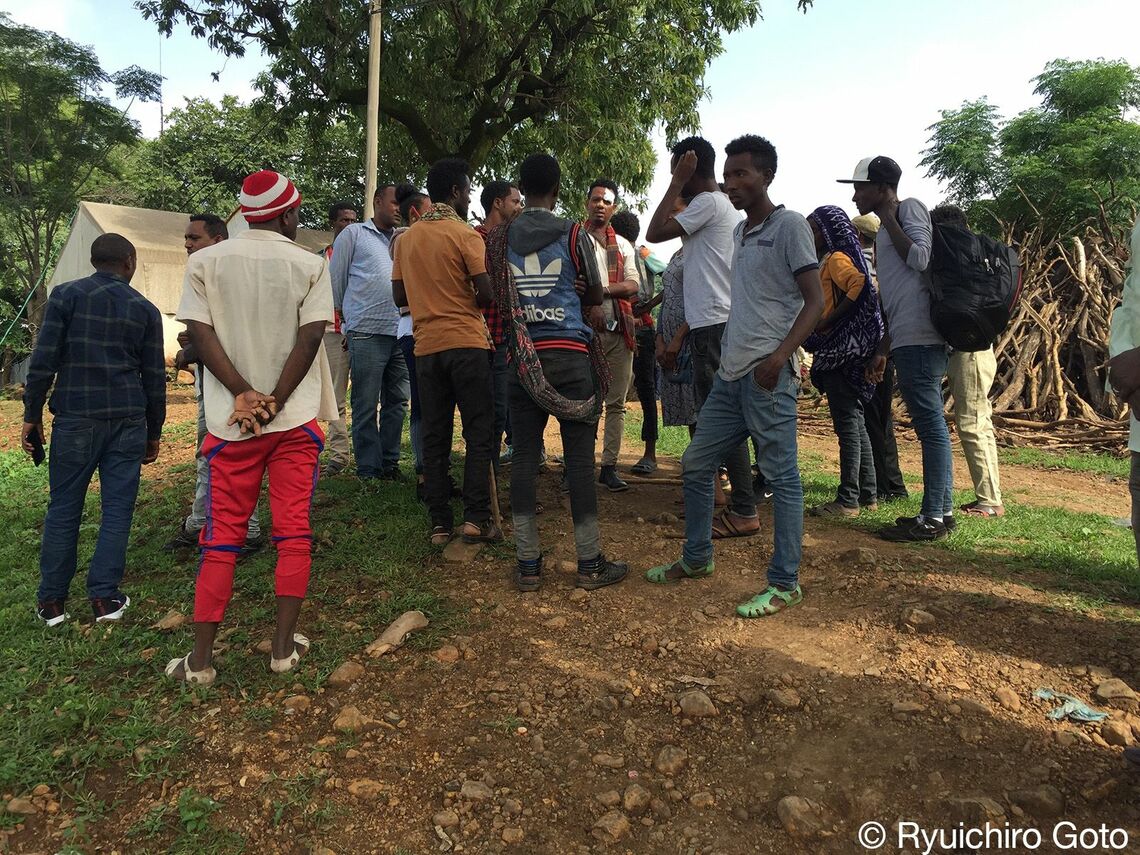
(256, 308)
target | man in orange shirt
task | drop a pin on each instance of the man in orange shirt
(440, 273)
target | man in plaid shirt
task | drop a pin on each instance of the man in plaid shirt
(101, 342)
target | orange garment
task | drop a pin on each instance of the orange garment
(838, 275)
(436, 260)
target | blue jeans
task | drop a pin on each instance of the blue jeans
(379, 378)
(79, 447)
(920, 371)
(408, 346)
(732, 412)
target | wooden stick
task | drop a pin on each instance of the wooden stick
(496, 514)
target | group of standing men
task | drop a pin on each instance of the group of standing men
(530, 316)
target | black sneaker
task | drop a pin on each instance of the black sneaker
(908, 529)
(609, 478)
(251, 546)
(892, 497)
(52, 612)
(599, 573)
(392, 473)
(109, 608)
(183, 540)
(950, 522)
(528, 576)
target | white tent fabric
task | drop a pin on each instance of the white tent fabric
(158, 240)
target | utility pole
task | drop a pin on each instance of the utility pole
(371, 134)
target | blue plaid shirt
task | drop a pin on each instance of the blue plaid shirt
(101, 341)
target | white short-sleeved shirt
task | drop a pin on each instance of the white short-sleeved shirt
(709, 222)
(629, 271)
(257, 290)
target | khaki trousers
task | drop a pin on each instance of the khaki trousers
(620, 359)
(337, 442)
(971, 376)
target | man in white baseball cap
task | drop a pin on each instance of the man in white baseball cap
(920, 355)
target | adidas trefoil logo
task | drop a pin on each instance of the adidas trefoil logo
(534, 280)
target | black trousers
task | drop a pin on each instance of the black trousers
(645, 381)
(881, 429)
(459, 377)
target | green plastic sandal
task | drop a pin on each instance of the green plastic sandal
(770, 602)
(660, 575)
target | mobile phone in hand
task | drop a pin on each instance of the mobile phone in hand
(37, 447)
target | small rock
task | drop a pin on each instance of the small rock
(636, 799)
(975, 811)
(447, 653)
(610, 798)
(172, 620)
(265, 646)
(350, 718)
(1044, 802)
(611, 828)
(740, 814)
(446, 818)
(475, 791)
(22, 806)
(696, 704)
(578, 594)
(917, 619)
(801, 817)
(1066, 738)
(1008, 698)
(346, 674)
(671, 760)
(513, 835)
(905, 708)
(702, 801)
(512, 807)
(609, 761)
(558, 622)
(973, 707)
(1116, 733)
(1116, 693)
(298, 703)
(861, 556)
(788, 699)
(660, 809)
(366, 788)
(41, 790)
(147, 654)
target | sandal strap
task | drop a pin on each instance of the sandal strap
(762, 603)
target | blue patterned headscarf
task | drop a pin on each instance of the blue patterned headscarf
(850, 344)
(839, 235)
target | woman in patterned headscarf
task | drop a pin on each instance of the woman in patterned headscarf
(845, 340)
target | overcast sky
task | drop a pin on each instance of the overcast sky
(850, 78)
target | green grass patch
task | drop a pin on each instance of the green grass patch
(1097, 463)
(84, 696)
(1084, 554)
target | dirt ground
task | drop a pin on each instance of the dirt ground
(647, 719)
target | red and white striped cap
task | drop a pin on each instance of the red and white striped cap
(265, 195)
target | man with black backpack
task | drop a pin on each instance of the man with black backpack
(902, 250)
(971, 374)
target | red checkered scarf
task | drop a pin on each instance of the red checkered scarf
(525, 358)
(623, 309)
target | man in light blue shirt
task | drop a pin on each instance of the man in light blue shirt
(361, 272)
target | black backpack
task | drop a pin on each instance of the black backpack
(975, 283)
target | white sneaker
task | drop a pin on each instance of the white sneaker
(110, 608)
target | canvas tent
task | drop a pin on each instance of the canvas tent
(158, 240)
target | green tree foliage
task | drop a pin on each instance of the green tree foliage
(207, 149)
(488, 80)
(58, 130)
(1071, 162)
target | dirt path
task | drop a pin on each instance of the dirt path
(649, 719)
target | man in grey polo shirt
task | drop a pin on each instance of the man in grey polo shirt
(902, 252)
(706, 229)
(776, 302)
